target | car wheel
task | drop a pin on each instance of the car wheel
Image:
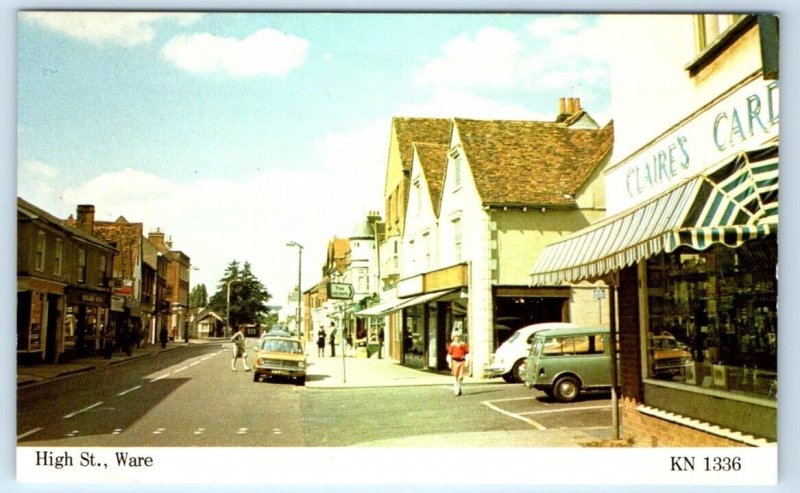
(509, 377)
(256, 377)
(518, 371)
(301, 381)
(566, 389)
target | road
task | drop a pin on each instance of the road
(191, 398)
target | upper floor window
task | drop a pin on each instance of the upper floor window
(58, 256)
(455, 156)
(41, 245)
(457, 239)
(426, 243)
(103, 267)
(417, 197)
(81, 265)
(715, 33)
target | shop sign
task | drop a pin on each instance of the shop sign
(123, 287)
(117, 304)
(410, 286)
(745, 119)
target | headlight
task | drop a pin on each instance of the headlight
(301, 365)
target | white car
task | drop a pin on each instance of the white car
(510, 358)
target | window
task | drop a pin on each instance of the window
(41, 244)
(712, 26)
(457, 239)
(58, 256)
(103, 266)
(713, 319)
(714, 34)
(81, 265)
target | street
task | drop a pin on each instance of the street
(191, 398)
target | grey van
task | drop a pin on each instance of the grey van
(565, 362)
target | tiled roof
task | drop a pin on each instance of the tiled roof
(433, 159)
(35, 212)
(429, 130)
(531, 163)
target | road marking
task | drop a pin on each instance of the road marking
(159, 378)
(84, 409)
(117, 431)
(568, 409)
(129, 390)
(196, 362)
(241, 431)
(531, 422)
(35, 430)
(180, 369)
(159, 431)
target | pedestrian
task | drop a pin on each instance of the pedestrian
(108, 339)
(380, 342)
(457, 356)
(239, 350)
(162, 337)
(321, 342)
(332, 340)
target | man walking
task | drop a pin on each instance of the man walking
(238, 350)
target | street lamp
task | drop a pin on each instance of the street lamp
(299, 275)
(228, 308)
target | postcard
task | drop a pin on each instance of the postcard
(397, 248)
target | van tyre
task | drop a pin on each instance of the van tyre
(509, 377)
(566, 389)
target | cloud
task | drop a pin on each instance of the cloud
(490, 59)
(126, 29)
(40, 170)
(265, 52)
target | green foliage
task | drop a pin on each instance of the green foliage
(198, 298)
(248, 296)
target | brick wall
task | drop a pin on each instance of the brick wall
(650, 431)
(628, 334)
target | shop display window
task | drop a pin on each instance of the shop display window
(713, 317)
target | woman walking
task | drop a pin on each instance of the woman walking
(321, 342)
(457, 355)
(238, 350)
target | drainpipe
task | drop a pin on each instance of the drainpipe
(612, 318)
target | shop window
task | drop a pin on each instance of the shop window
(713, 318)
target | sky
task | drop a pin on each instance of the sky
(236, 133)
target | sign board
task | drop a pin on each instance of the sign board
(599, 294)
(340, 291)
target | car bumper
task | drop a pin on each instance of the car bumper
(494, 371)
(283, 372)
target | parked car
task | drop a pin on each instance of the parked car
(565, 362)
(280, 330)
(670, 356)
(280, 356)
(510, 359)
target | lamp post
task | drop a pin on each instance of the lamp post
(299, 275)
(228, 308)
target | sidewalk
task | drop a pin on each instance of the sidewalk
(332, 372)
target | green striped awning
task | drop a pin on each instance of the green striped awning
(729, 203)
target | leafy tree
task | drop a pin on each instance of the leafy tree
(198, 298)
(248, 296)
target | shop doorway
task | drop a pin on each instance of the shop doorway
(514, 312)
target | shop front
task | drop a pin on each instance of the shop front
(39, 319)
(87, 313)
(695, 262)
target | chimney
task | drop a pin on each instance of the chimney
(157, 238)
(570, 106)
(85, 220)
(562, 106)
(577, 105)
(169, 243)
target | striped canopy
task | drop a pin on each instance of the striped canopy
(729, 203)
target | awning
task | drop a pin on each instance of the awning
(379, 309)
(729, 203)
(423, 298)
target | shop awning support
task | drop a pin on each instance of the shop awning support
(612, 319)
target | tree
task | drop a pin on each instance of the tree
(248, 296)
(198, 298)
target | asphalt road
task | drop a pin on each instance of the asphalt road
(191, 398)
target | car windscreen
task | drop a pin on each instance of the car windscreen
(281, 346)
(537, 345)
